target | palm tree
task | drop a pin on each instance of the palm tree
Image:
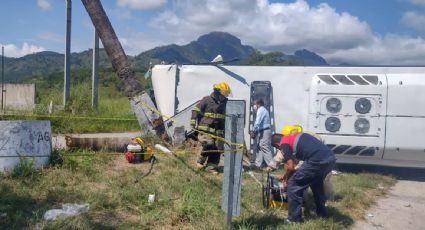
(113, 47)
(148, 120)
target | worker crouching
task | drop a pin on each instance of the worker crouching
(208, 117)
(318, 162)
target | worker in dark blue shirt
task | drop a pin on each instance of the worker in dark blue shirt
(318, 162)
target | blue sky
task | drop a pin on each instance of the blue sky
(354, 31)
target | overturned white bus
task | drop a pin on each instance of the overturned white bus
(367, 115)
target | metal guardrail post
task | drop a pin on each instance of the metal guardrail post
(232, 155)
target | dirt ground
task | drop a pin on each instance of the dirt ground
(402, 208)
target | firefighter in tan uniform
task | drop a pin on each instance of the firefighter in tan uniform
(209, 116)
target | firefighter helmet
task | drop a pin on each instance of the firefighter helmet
(223, 87)
(291, 129)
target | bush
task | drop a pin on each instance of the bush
(56, 158)
(80, 100)
(82, 160)
(192, 203)
(25, 168)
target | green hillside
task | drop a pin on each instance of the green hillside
(203, 50)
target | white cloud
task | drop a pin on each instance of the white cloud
(338, 36)
(417, 2)
(267, 25)
(141, 4)
(414, 20)
(44, 4)
(12, 50)
(391, 49)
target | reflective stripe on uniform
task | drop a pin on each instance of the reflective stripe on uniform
(297, 138)
(206, 129)
(196, 109)
(211, 130)
(193, 122)
(215, 115)
(220, 132)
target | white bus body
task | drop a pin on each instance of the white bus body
(367, 115)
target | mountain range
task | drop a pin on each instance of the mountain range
(203, 50)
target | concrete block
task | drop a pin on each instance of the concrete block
(19, 96)
(29, 139)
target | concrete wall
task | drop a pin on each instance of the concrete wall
(19, 96)
(29, 139)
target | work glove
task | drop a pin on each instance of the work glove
(253, 134)
(192, 135)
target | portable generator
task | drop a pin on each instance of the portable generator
(273, 194)
(138, 152)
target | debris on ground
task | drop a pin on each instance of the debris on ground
(66, 211)
(370, 215)
(335, 172)
(162, 149)
(151, 198)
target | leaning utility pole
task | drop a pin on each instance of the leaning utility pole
(67, 61)
(95, 71)
(149, 120)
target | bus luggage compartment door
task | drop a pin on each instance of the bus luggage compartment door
(405, 118)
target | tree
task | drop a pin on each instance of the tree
(113, 47)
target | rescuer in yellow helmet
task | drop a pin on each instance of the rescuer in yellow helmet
(291, 129)
(208, 116)
(319, 160)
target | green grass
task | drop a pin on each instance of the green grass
(185, 198)
(113, 114)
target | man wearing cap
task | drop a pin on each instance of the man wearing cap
(318, 162)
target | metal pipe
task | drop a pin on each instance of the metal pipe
(234, 127)
(67, 61)
(2, 78)
(95, 71)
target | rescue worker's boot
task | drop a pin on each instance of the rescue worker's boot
(200, 163)
(212, 168)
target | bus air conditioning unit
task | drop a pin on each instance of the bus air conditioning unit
(348, 111)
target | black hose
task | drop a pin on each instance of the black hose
(152, 160)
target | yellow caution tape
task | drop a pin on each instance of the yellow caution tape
(154, 110)
(69, 117)
(177, 152)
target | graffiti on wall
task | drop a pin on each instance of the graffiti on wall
(25, 138)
